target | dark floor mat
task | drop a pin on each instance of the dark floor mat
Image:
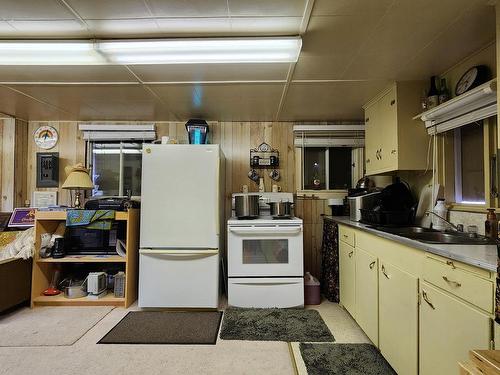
(344, 359)
(290, 325)
(164, 327)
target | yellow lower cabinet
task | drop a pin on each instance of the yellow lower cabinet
(449, 328)
(398, 318)
(367, 294)
(347, 271)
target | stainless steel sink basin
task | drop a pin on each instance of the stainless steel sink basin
(401, 231)
(437, 237)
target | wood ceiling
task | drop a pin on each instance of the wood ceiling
(351, 50)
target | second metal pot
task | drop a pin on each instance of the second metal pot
(281, 209)
(246, 206)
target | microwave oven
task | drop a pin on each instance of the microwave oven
(84, 241)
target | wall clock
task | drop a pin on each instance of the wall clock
(46, 137)
(472, 78)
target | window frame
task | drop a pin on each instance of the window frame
(450, 163)
(357, 159)
(90, 166)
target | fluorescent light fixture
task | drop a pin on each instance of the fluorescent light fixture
(202, 51)
(49, 53)
(152, 51)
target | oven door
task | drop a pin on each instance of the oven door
(265, 250)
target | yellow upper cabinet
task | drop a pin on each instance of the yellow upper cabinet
(393, 140)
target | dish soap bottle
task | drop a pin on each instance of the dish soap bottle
(441, 210)
(491, 224)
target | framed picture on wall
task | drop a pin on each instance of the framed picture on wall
(43, 199)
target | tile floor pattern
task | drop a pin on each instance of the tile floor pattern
(227, 357)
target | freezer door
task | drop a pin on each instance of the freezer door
(180, 196)
(179, 278)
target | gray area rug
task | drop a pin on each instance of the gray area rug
(290, 325)
(49, 326)
(344, 359)
(165, 327)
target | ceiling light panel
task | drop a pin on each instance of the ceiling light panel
(152, 51)
(199, 51)
(49, 53)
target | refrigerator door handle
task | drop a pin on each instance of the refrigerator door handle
(217, 197)
(179, 252)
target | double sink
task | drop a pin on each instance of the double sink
(433, 236)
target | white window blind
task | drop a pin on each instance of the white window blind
(118, 132)
(474, 105)
(329, 135)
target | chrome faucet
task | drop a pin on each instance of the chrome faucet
(457, 228)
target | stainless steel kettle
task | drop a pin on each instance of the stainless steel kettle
(365, 183)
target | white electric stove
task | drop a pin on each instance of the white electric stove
(265, 258)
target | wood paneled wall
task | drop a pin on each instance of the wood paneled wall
(71, 148)
(236, 140)
(311, 210)
(13, 163)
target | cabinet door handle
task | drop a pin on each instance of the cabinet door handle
(450, 263)
(372, 264)
(426, 299)
(345, 236)
(393, 152)
(384, 272)
(367, 120)
(393, 101)
(367, 161)
(452, 282)
(350, 254)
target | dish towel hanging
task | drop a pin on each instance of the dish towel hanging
(91, 219)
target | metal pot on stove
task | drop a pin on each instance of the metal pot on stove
(246, 206)
(281, 209)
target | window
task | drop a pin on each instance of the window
(116, 168)
(470, 154)
(327, 168)
(469, 164)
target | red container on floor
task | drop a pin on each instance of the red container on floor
(312, 294)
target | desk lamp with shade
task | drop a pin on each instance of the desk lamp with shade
(78, 179)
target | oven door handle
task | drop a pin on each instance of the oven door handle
(261, 230)
(179, 253)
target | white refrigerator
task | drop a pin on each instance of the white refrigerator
(180, 237)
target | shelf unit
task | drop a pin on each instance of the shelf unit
(473, 105)
(43, 268)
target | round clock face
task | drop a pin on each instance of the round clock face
(467, 80)
(46, 137)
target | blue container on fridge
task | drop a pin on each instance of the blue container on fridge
(197, 131)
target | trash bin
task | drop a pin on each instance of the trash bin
(312, 294)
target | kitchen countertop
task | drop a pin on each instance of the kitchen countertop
(482, 256)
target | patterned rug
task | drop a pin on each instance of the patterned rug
(289, 325)
(344, 359)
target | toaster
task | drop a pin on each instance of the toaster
(97, 283)
(367, 201)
